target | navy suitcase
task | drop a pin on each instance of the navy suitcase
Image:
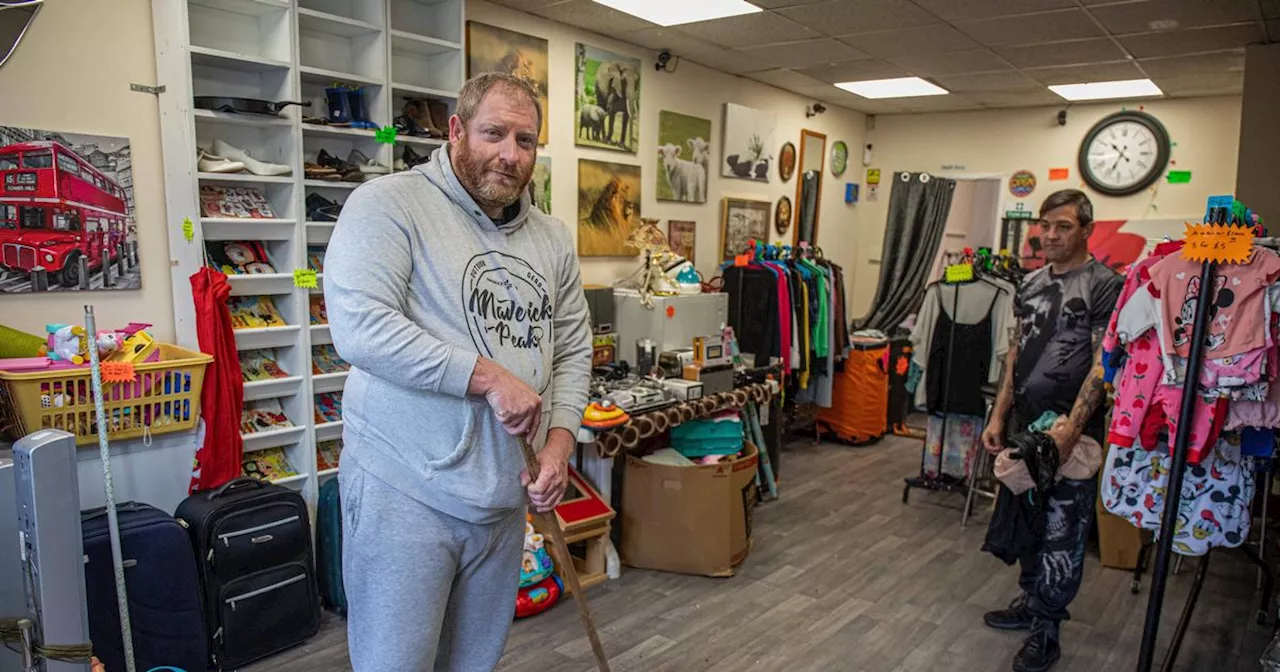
(164, 590)
(329, 548)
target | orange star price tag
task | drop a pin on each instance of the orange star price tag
(1217, 242)
(117, 372)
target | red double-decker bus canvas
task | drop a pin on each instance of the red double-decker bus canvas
(66, 212)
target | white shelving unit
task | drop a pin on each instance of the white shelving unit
(288, 50)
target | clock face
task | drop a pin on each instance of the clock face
(1124, 153)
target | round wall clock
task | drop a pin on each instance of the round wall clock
(839, 158)
(1124, 153)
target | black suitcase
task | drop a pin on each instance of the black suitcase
(253, 545)
(164, 590)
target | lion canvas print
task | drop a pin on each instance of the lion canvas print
(493, 49)
(608, 208)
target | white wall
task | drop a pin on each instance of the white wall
(693, 90)
(1001, 142)
(72, 73)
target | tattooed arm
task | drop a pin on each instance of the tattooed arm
(993, 435)
(1093, 393)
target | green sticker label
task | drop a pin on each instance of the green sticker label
(1179, 176)
(188, 229)
(304, 278)
(386, 135)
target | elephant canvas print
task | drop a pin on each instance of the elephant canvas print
(684, 149)
(608, 208)
(493, 49)
(606, 100)
(747, 134)
(540, 185)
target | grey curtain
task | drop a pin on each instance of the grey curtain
(918, 207)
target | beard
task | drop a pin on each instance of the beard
(488, 190)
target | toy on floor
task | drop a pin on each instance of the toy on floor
(539, 598)
(540, 588)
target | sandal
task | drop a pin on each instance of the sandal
(366, 165)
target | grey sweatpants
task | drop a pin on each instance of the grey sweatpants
(425, 591)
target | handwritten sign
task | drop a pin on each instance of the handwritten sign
(188, 229)
(304, 278)
(1218, 242)
(386, 135)
(959, 273)
(117, 372)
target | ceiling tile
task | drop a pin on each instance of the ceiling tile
(1202, 84)
(953, 10)
(695, 50)
(952, 103)
(1147, 15)
(932, 39)
(865, 106)
(989, 81)
(527, 5)
(1028, 98)
(791, 80)
(778, 4)
(592, 16)
(1067, 24)
(929, 65)
(726, 60)
(844, 17)
(1175, 66)
(854, 71)
(663, 38)
(1093, 72)
(1096, 50)
(749, 30)
(807, 52)
(1196, 40)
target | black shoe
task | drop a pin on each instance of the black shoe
(1016, 617)
(1041, 650)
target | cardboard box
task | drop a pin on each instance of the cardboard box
(1119, 542)
(691, 520)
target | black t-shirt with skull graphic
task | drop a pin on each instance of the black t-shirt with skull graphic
(1056, 317)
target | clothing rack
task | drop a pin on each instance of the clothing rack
(1221, 210)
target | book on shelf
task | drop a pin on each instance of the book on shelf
(251, 312)
(319, 314)
(315, 258)
(238, 257)
(269, 465)
(325, 359)
(327, 454)
(263, 415)
(258, 365)
(328, 407)
(234, 203)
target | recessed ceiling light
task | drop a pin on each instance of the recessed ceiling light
(898, 87)
(1127, 88)
(676, 12)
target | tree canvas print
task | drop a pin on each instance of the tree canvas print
(748, 134)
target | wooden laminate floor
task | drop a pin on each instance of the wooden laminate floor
(844, 577)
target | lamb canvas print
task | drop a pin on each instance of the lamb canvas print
(493, 49)
(683, 150)
(606, 100)
(747, 134)
(608, 208)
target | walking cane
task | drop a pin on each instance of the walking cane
(547, 521)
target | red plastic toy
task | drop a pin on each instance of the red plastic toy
(539, 597)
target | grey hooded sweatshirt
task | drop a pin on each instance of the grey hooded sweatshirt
(418, 283)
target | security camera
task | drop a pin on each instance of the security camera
(663, 59)
(1062, 117)
(814, 110)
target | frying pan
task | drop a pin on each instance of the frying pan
(244, 105)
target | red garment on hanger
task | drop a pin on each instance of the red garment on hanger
(222, 398)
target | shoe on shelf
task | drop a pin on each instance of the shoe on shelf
(212, 163)
(359, 114)
(317, 103)
(349, 172)
(1041, 650)
(1015, 617)
(315, 171)
(321, 209)
(417, 109)
(251, 164)
(412, 158)
(366, 165)
(338, 106)
(438, 112)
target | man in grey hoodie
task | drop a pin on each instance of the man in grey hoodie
(460, 309)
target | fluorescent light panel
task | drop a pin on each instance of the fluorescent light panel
(1127, 88)
(898, 87)
(676, 12)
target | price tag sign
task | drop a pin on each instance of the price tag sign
(304, 278)
(1218, 242)
(188, 229)
(385, 135)
(959, 273)
(117, 372)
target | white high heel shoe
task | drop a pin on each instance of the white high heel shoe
(211, 163)
(251, 164)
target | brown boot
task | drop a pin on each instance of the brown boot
(417, 110)
(438, 112)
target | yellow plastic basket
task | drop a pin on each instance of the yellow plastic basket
(163, 397)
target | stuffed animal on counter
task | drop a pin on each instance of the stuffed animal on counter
(67, 342)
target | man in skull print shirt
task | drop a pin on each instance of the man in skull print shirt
(1054, 364)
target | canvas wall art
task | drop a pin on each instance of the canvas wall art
(540, 184)
(608, 208)
(493, 49)
(684, 145)
(66, 212)
(682, 236)
(606, 100)
(742, 221)
(748, 134)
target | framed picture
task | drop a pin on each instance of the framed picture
(684, 145)
(682, 236)
(606, 100)
(787, 161)
(747, 135)
(540, 185)
(608, 208)
(782, 215)
(741, 222)
(493, 49)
